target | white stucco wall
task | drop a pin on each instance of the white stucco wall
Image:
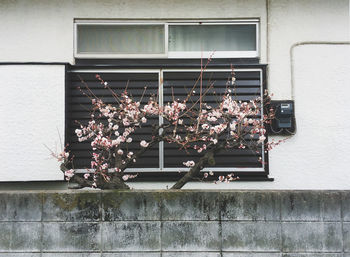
(27, 24)
(291, 22)
(32, 113)
(42, 31)
(318, 155)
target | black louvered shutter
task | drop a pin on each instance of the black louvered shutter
(247, 87)
(79, 107)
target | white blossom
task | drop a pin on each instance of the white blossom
(143, 143)
(189, 163)
(69, 174)
(261, 139)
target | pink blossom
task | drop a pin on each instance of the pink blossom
(261, 139)
(241, 146)
(93, 164)
(128, 176)
(69, 174)
(233, 125)
(86, 175)
(221, 178)
(205, 126)
(62, 156)
(79, 132)
(126, 122)
(143, 143)
(233, 80)
(189, 163)
(212, 118)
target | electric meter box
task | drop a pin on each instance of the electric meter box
(284, 121)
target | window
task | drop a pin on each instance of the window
(163, 157)
(227, 40)
(165, 57)
(120, 40)
(166, 40)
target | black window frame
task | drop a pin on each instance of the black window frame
(101, 64)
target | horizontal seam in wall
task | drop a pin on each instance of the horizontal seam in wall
(35, 63)
(184, 251)
(313, 252)
(70, 251)
(82, 222)
(1, 251)
(308, 221)
(248, 251)
(193, 221)
(152, 251)
(164, 251)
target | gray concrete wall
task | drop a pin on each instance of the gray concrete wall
(180, 223)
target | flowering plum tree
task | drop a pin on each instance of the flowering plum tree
(212, 129)
(110, 131)
(190, 123)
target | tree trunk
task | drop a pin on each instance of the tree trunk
(115, 183)
(194, 172)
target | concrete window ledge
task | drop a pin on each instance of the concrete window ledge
(175, 223)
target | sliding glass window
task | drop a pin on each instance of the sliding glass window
(167, 40)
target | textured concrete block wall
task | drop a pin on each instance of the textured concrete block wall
(175, 223)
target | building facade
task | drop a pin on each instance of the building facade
(303, 45)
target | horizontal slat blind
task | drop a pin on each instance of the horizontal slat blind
(247, 87)
(79, 107)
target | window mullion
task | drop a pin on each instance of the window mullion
(160, 100)
(166, 38)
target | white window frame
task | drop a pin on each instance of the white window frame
(160, 73)
(170, 54)
(217, 54)
(119, 56)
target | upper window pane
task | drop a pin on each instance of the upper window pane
(120, 39)
(213, 37)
